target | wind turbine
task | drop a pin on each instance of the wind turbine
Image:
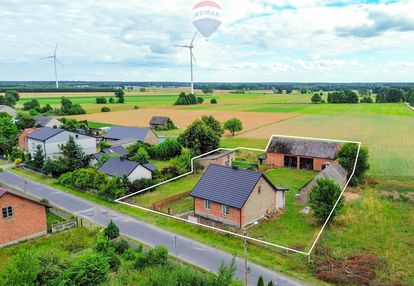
(190, 47)
(55, 60)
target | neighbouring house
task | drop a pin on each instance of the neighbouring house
(117, 133)
(160, 121)
(23, 146)
(117, 151)
(297, 153)
(22, 218)
(9, 110)
(51, 138)
(222, 157)
(236, 197)
(332, 171)
(46, 121)
(119, 167)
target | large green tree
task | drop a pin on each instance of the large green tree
(323, 197)
(8, 135)
(200, 138)
(347, 156)
(120, 95)
(213, 123)
(233, 125)
(24, 120)
(72, 155)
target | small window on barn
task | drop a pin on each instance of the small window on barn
(7, 212)
(207, 205)
(259, 189)
(225, 209)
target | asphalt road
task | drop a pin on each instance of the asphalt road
(193, 252)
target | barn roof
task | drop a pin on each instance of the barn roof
(304, 147)
(335, 172)
(8, 109)
(43, 120)
(124, 132)
(228, 186)
(159, 120)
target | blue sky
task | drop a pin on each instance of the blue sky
(269, 40)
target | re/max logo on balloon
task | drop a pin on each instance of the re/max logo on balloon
(207, 17)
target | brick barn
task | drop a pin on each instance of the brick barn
(235, 197)
(307, 154)
(22, 218)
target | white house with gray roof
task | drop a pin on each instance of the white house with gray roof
(119, 167)
(51, 138)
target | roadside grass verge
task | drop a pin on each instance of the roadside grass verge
(291, 264)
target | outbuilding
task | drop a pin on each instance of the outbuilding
(160, 121)
(46, 121)
(222, 157)
(119, 167)
(22, 218)
(236, 197)
(307, 154)
(117, 133)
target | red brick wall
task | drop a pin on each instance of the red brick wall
(23, 138)
(215, 213)
(277, 160)
(29, 219)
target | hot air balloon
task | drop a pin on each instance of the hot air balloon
(207, 17)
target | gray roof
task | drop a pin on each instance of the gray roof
(159, 120)
(42, 120)
(217, 155)
(118, 167)
(304, 147)
(335, 172)
(8, 109)
(123, 132)
(150, 167)
(228, 186)
(44, 133)
(116, 149)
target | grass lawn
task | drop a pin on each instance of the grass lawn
(68, 243)
(170, 189)
(52, 219)
(291, 228)
(181, 206)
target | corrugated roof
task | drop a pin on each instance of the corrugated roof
(159, 120)
(44, 133)
(117, 168)
(124, 132)
(304, 147)
(227, 186)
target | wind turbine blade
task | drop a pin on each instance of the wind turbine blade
(181, 46)
(194, 58)
(56, 49)
(59, 63)
(192, 41)
(50, 57)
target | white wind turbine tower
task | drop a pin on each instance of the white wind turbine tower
(55, 60)
(190, 47)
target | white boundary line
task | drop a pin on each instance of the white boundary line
(119, 200)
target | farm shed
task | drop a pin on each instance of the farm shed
(45, 121)
(224, 158)
(22, 218)
(118, 151)
(297, 153)
(236, 197)
(145, 135)
(118, 167)
(333, 171)
(160, 121)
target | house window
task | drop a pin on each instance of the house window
(207, 205)
(225, 209)
(7, 212)
(259, 189)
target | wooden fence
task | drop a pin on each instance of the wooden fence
(61, 226)
(162, 203)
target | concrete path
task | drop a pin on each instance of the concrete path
(193, 252)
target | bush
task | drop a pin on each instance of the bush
(101, 100)
(121, 246)
(84, 178)
(233, 125)
(366, 99)
(105, 109)
(186, 99)
(18, 161)
(141, 156)
(323, 197)
(111, 231)
(23, 269)
(168, 149)
(213, 101)
(316, 98)
(347, 156)
(157, 256)
(88, 269)
(200, 100)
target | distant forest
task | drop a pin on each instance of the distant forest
(101, 86)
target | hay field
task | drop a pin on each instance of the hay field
(183, 118)
(389, 138)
